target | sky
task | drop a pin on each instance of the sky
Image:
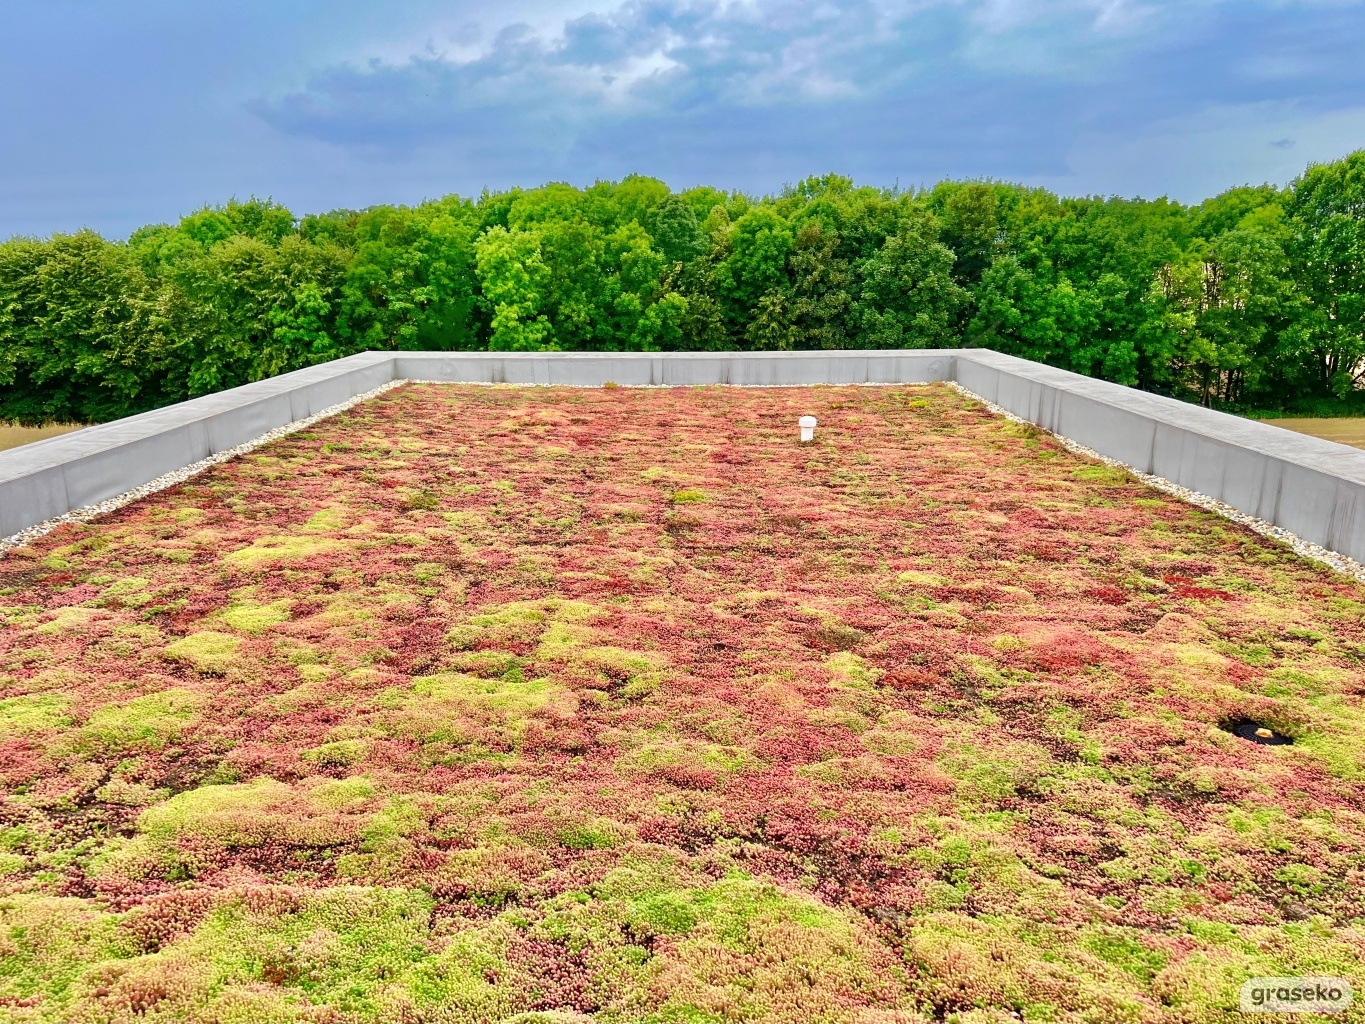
(119, 113)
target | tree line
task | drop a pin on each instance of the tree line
(1252, 299)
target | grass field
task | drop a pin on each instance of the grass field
(12, 436)
(498, 704)
(1345, 430)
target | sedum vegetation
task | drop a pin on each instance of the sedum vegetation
(560, 705)
(1255, 298)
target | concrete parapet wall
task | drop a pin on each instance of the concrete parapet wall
(43, 480)
(1311, 487)
(659, 369)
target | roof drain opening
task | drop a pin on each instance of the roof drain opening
(807, 425)
(1257, 733)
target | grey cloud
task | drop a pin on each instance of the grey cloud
(704, 90)
(651, 56)
(1144, 95)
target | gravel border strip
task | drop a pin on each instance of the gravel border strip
(1313, 552)
(179, 476)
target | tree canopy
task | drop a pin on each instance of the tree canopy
(1254, 298)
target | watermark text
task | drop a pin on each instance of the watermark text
(1296, 995)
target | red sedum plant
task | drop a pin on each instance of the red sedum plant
(502, 704)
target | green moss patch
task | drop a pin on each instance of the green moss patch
(149, 722)
(181, 836)
(251, 618)
(209, 651)
(276, 550)
(33, 713)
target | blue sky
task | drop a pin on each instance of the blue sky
(116, 113)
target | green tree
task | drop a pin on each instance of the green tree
(409, 281)
(261, 219)
(676, 231)
(973, 222)
(821, 303)
(1253, 297)
(76, 316)
(909, 298)
(1249, 310)
(754, 265)
(1326, 210)
(513, 276)
(772, 328)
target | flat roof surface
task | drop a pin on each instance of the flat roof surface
(478, 701)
